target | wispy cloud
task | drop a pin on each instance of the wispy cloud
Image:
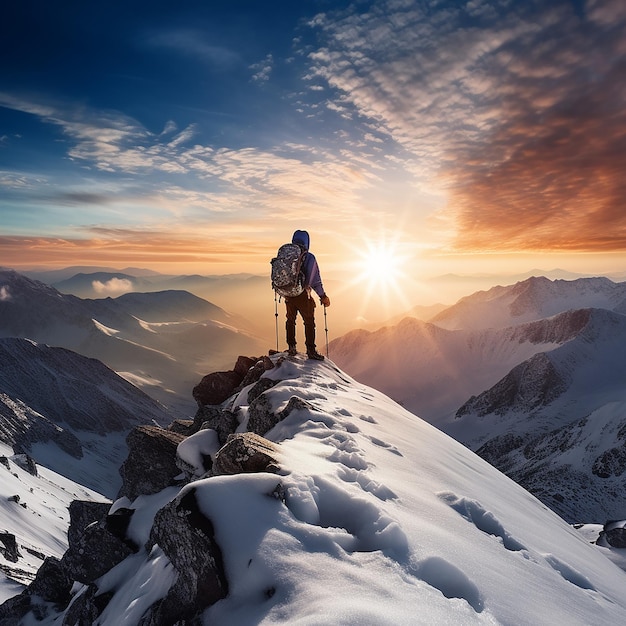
(193, 43)
(517, 111)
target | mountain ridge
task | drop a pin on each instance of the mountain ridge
(363, 512)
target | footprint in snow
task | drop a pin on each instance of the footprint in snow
(484, 520)
(568, 572)
(449, 579)
(384, 444)
(368, 418)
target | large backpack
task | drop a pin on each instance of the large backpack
(287, 271)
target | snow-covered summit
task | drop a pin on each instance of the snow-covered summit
(373, 516)
(532, 299)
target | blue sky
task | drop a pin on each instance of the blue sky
(169, 135)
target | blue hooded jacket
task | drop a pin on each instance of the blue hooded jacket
(312, 278)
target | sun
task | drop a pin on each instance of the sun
(379, 276)
(380, 264)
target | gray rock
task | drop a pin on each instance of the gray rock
(151, 462)
(613, 534)
(86, 609)
(256, 371)
(8, 547)
(222, 421)
(83, 513)
(96, 552)
(246, 453)
(216, 387)
(52, 582)
(187, 538)
(50, 591)
(182, 427)
(261, 386)
(26, 462)
(261, 417)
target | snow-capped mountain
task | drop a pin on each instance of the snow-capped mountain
(70, 413)
(432, 371)
(34, 518)
(556, 423)
(532, 299)
(364, 514)
(159, 341)
(538, 389)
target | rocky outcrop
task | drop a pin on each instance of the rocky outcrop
(84, 564)
(610, 463)
(217, 387)
(151, 462)
(99, 537)
(222, 421)
(262, 418)
(8, 547)
(48, 593)
(613, 534)
(532, 384)
(187, 539)
(245, 453)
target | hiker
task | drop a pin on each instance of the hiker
(304, 303)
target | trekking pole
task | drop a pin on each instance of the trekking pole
(326, 329)
(276, 313)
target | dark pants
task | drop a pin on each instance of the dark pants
(305, 305)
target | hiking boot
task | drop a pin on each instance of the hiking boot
(292, 351)
(316, 356)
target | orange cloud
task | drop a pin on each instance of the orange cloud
(121, 248)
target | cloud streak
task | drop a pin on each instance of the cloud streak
(517, 111)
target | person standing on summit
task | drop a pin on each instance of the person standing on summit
(304, 303)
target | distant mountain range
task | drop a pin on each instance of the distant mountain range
(541, 365)
(162, 341)
(69, 412)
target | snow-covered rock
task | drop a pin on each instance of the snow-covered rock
(373, 517)
(34, 512)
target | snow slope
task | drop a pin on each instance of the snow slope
(383, 519)
(39, 519)
(432, 371)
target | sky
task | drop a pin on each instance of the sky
(195, 137)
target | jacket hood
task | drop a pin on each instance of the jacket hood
(301, 237)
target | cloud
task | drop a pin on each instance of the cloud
(114, 286)
(5, 294)
(263, 69)
(193, 43)
(515, 110)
